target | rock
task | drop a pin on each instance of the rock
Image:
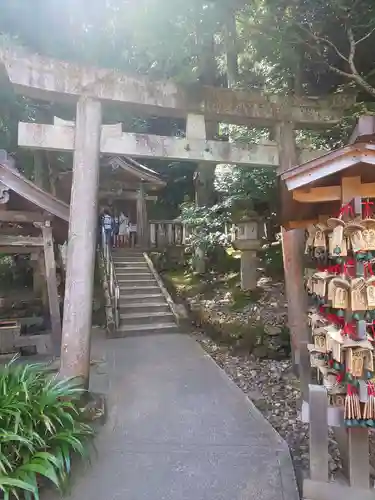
(181, 311)
(261, 351)
(272, 330)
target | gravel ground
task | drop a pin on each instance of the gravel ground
(269, 383)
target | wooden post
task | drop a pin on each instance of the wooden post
(53, 297)
(142, 219)
(318, 413)
(293, 250)
(354, 443)
(153, 234)
(75, 350)
(39, 280)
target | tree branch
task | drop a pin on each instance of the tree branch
(352, 47)
(354, 75)
(325, 41)
(366, 36)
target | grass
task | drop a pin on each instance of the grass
(186, 283)
(242, 299)
(41, 427)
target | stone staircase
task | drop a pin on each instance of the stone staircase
(143, 307)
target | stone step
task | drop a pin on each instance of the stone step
(141, 267)
(127, 251)
(139, 284)
(145, 307)
(138, 279)
(150, 298)
(140, 330)
(138, 289)
(124, 276)
(143, 318)
(130, 261)
(128, 258)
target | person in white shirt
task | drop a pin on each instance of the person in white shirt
(123, 232)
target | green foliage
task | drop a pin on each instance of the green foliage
(40, 428)
(179, 188)
(247, 189)
(241, 299)
(272, 260)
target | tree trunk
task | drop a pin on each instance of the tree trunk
(205, 173)
(231, 49)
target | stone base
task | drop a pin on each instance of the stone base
(249, 274)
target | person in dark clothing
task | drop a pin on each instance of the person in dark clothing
(108, 226)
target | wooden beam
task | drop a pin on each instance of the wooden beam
(23, 217)
(53, 297)
(20, 241)
(368, 190)
(300, 224)
(303, 224)
(330, 193)
(28, 190)
(126, 195)
(318, 194)
(16, 250)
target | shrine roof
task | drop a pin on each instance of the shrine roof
(24, 188)
(137, 170)
(349, 157)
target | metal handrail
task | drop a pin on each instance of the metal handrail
(110, 272)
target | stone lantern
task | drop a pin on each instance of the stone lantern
(248, 240)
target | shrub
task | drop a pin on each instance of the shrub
(41, 426)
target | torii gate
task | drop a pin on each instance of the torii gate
(49, 79)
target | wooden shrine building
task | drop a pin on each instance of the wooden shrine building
(32, 222)
(332, 198)
(126, 186)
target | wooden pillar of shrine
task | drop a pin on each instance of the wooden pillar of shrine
(142, 218)
(293, 251)
(75, 350)
(51, 278)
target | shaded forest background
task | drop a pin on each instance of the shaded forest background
(301, 47)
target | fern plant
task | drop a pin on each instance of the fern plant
(41, 426)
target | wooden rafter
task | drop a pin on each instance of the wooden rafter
(28, 190)
(329, 193)
(22, 216)
(20, 241)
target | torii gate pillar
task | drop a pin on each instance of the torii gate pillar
(75, 350)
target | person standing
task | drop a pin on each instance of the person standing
(123, 230)
(116, 227)
(108, 227)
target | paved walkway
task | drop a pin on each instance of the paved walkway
(179, 429)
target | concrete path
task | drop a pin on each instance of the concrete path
(179, 429)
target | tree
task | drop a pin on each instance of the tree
(328, 36)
